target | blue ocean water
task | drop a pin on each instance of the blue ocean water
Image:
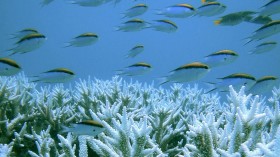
(195, 38)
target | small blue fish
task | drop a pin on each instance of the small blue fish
(260, 19)
(132, 25)
(140, 68)
(272, 7)
(87, 127)
(164, 26)
(186, 73)
(219, 58)
(234, 18)
(263, 85)
(84, 39)
(58, 75)
(264, 47)
(237, 80)
(29, 43)
(135, 51)
(178, 11)
(88, 3)
(265, 31)
(24, 32)
(136, 10)
(211, 9)
(8, 67)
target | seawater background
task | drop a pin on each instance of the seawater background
(195, 38)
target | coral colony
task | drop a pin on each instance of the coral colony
(139, 120)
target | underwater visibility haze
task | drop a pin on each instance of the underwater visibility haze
(99, 78)
(195, 37)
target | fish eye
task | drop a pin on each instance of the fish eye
(225, 58)
(93, 130)
(6, 68)
(245, 83)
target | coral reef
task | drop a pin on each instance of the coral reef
(140, 120)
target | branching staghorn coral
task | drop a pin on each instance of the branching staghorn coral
(139, 120)
(66, 145)
(43, 143)
(5, 150)
(124, 138)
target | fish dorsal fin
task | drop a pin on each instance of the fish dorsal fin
(92, 123)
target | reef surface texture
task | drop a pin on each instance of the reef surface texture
(140, 120)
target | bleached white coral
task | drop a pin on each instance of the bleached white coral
(139, 120)
(43, 143)
(66, 144)
(5, 150)
(271, 149)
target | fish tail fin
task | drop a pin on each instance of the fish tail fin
(119, 72)
(248, 40)
(162, 80)
(64, 129)
(159, 12)
(211, 90)
(117, 28)
(11, 49)
(13, 53)
(217, 22)
(123, 16)
(67, 45)
(251, 52)
(129, 56)
(34, 81)
(211, 86)
(12, 36)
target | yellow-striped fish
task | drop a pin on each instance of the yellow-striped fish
(8, 67)
(260, 19)
(234, 18)
(29, 43)
(263, 85)
(57, 75)
(219, 58)
(139, 68)
(211, 9)
(178, 11)
(186, 73)
(264, 47)
(266, 30)
(87, 127)
(24, 32)
(270, 8)
(237, 80)
(135, 51)
(164, 26)
(132, 25)
(136, 10)
(84, 39)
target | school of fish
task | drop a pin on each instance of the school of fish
(30, 39)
